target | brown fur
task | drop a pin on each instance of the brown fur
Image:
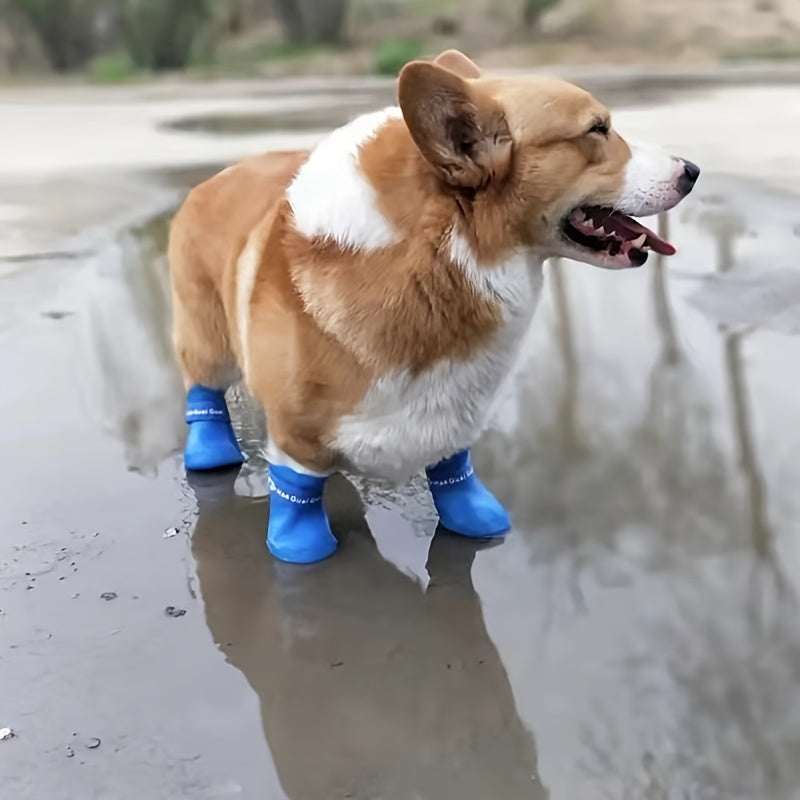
(412, 304)
(207, 236)
(295, 361)
(505, 157)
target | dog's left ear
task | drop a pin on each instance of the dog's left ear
(458, 127)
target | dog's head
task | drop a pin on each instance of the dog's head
(544, 154)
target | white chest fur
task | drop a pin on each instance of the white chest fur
(407, 422)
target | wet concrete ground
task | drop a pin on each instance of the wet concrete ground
(634, 638)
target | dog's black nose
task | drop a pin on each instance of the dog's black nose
(691, 172)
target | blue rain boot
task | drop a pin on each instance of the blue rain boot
(464, 504)
(298, 530)
(211, 443)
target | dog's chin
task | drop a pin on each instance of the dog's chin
(604, 260)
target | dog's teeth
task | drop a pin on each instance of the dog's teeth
(601, 231)
(638, 243)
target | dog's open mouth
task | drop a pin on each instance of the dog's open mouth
(624, 241)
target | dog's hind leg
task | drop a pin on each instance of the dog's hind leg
(208, 366)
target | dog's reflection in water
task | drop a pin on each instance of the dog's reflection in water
(369, 688)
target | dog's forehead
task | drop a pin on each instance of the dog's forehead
(533, 103)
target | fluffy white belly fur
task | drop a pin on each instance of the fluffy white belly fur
(407, 422)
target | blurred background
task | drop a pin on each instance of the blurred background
(121, 40)
(635, 638)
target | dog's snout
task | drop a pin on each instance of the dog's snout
(688, 177)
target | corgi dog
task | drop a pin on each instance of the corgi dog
(374, 292)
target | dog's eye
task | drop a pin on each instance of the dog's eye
(599, 127)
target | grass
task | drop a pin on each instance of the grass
(386, 34)
(775, 51)
(266, 50)
(115, 67)
(230, 60)
(265, 55)
(392, 54)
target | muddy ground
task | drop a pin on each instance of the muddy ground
(634, 638)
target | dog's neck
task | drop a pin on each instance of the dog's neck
(366, 188)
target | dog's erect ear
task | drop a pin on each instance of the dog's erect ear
(458, 127)
(457, 62)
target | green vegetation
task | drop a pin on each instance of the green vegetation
(532, 11)
(392, 54)
(114, 39)
(111, 41)
(65, 29)
(769, 51)
(113, 67)
(161, 35)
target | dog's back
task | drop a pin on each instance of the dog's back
(207, 237)
(375, 293)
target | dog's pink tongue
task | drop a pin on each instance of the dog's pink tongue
(631, 229)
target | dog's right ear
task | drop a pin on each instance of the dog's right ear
(457, 62)
(459, 129)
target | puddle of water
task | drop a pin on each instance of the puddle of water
(643, 609)
(315, 119)
(325, 115)
(635, 637)
(301, 119)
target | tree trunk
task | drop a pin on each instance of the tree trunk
(312, 21)
(65, 29)
(291, 19)
(160, 35)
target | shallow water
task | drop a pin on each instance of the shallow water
(634, 637)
